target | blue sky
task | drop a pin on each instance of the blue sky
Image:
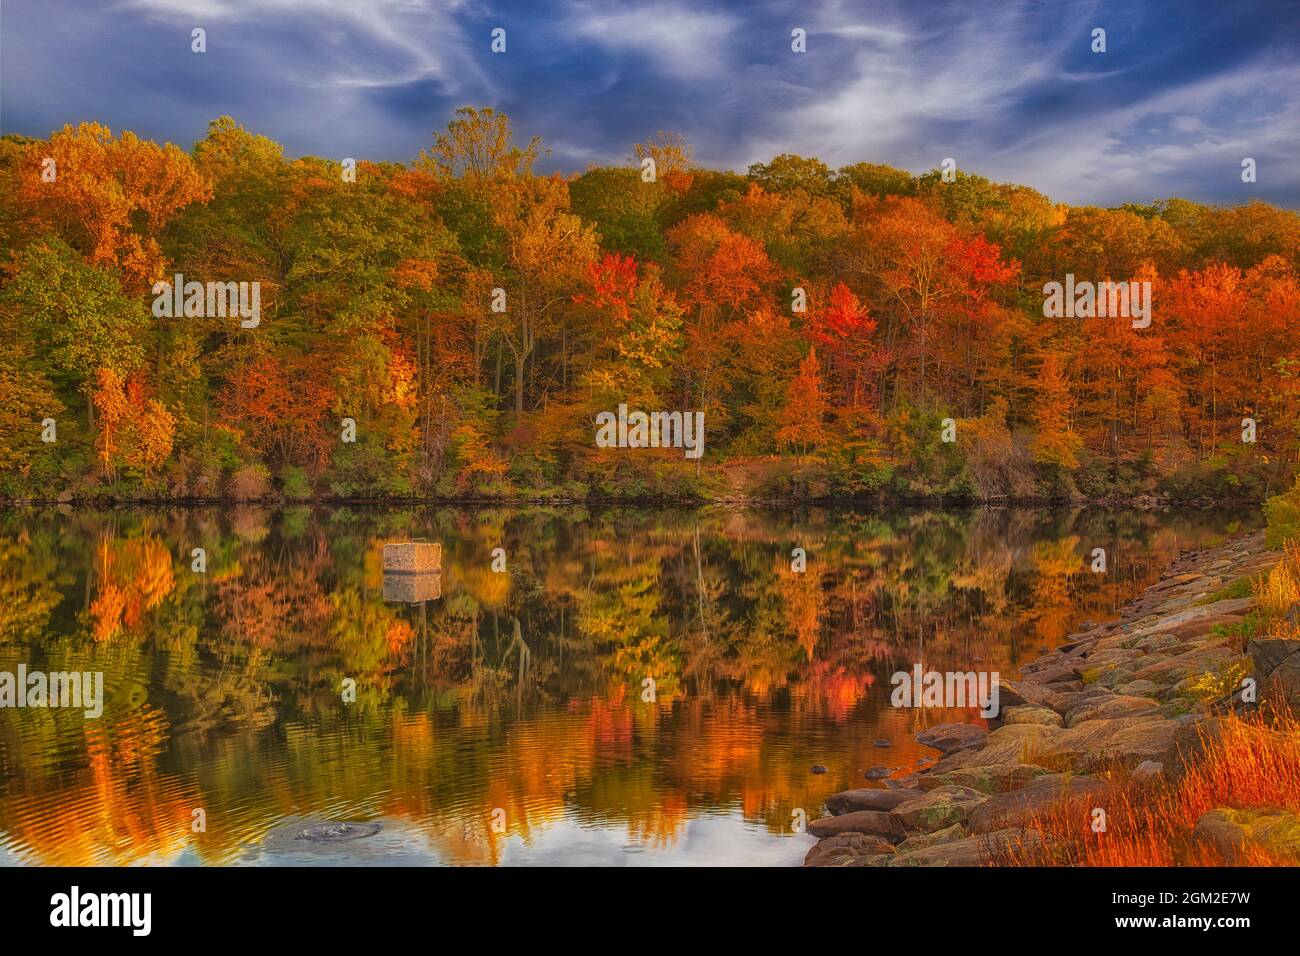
(1010, 89)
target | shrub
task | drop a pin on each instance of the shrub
(250, 482)
(294, 483)
(1283, 515)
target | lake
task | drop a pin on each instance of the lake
(638, 686)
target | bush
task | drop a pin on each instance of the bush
(1283, 515)
(249, 483)
(294, 483)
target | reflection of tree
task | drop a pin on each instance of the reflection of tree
(519, 691)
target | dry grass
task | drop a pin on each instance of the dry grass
(1249, 762)
(1279, 590)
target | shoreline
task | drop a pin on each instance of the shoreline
(1123, 695)
(1139, 502)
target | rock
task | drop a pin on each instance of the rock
(1051, 675)
(877, 773)
(848, 801)
(1173, 669)
(996, 778)
(1269, 653)
(1168, 622)
(1233, 831)
(979, 850)
(1063, 703)
(1018, 807)
(1010, 743)
(940, 808)
(1065, 686)
(1137, 688)
(1188, 745)
(874, 822)
(65, 497)
(1031, 715)
(1124, 740)
(336, 832)
(1112, 706)
(947, 738)
(1277, 669)
(847, 849)
(1014, 693)
(882, 742)
(1148, 771)
(1113, 678)
(818, 768)
(923, 841)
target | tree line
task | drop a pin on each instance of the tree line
(860, 331)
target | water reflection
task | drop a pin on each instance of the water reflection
(505, 718)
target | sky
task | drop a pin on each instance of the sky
(1010, 89)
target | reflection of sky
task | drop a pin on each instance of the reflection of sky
(1011, 90)
(713, 839)
(707, 840)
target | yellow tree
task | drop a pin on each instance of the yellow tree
(110, 198)
(1055, 442)
(803, 418)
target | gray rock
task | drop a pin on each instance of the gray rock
(947, 738)
(1018, 807)
(848, 801)
(923, 841)
(1112, 706)
(1232, 831)
(1148, 771)
(939, 808)
(1277, 669)
(981, 850)
(847, 849)
(1031, 715)
(874, 822)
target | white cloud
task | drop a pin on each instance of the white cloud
(418, 39)
(687, 44)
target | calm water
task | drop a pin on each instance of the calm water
(504, 722)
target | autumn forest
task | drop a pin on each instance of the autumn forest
(470, 317)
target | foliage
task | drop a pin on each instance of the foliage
(472, 316)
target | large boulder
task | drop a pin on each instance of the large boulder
(1113, 705)
(1277, 669)
(947, 738)
(1011, 743)
(995, 778)
(940, 808)
(848, 801)
(847, 849)
(1233, 832)
(1015, 693)
(1123, 740)
(1029, 714)
(982, 850)
(923, 841)
(1017, 808)
(873, 822)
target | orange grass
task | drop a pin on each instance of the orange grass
(1279, 590)
(1248, 762)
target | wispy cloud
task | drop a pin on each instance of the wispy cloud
(1010, 90)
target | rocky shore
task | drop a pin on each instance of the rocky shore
(1128, 694)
